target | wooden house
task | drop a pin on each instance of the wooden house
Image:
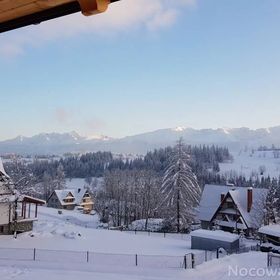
(15, 209)
(70, 198)
(231, 208)
(270, 234)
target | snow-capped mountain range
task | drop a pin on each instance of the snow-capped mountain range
(59, 143)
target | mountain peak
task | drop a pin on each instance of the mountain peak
(59, 143)
(179, 128)
(75, 135)
(99, 137)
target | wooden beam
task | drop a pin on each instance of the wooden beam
(16, 9)
(37, 11)
(29, 209)
(92, 7)
(39, 17)
(36, 211)
(24, 211)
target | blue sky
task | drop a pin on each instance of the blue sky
(144, 66)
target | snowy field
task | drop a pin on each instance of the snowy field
(248, 163)
(111, 253)
(78, 232)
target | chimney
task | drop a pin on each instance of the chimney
(249, 199)
(222, 197)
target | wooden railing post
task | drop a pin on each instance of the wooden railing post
(185, 262)
(193, 260)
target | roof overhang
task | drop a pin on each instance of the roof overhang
(19, 13)
(30, 199)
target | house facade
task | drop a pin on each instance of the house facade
(70, 198)
(15, 209)
(232, 209)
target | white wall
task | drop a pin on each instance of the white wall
(4, 213)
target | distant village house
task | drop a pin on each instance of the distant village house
(232, 209)
(70, 198)
(270, 234)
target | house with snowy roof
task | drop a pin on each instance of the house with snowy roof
(231, 208)
(70, 198)
(271, 234)
(16, 210)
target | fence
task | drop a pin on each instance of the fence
(173, 235)
(205, 256)
(128, 260)
(273, 260)
(187, 261)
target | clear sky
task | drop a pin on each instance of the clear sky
(142, 66)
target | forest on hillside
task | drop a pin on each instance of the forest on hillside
(133, 189)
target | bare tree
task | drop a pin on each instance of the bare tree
(128, 195)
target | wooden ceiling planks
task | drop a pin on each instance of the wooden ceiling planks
(10, 10)
(20, 13)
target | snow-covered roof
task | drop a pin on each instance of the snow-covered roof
(211, 200)
(78, 195)
(215, 234)
(273, 230)
(7, 198)
(2, 170)
(31, 199)
(6, 184)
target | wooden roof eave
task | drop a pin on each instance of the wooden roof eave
(20, 13)
(30, 199)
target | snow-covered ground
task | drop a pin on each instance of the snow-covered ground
(113, 257)
(79, 232)
(248, 163)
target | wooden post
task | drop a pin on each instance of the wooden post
(29, 208)
(185, 262)
(34, 254)
(22, 209)
(193, 260)
(36, 210)
(87, 256)
(205, 255)
(136, 260)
